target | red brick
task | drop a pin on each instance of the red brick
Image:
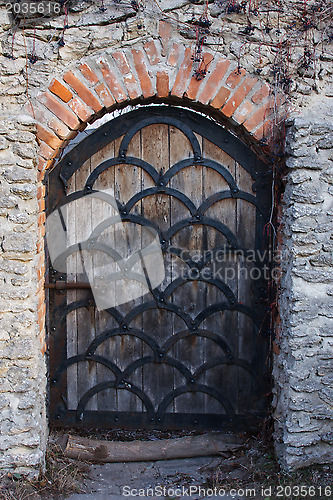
(112, 82)
(47, 136)
(41, 205)
(88, 73)
(257, 118)
(46, 152)
(45, 117)
(259, 133)
(263, 131)
(141, 69)
(132, 86)
(41, 311)
(238, 97)
(214, 81)
(235, 78)
(41, 231)
(41, 192)
(40, 176)
(41, 299)
(152, 53)
(162, 84)
(59, 110)
(262, 93)
(165, 35)
(60, 129)
(60, 90)
(183, 74)
(41, 219)
(80, 109)
(220, 98)
(174, 54)
(194, 85)
(122, 62)
(40, 245)
(129, 80)
(82, 91)
(104, 95)
(42, 164)
(242, 112)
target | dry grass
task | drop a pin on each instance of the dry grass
(254, 466)
(62, 476)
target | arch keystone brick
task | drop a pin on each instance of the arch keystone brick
(144, 77)
(162, 84)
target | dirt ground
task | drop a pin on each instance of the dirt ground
(251, 468)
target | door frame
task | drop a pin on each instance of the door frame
(57, 180)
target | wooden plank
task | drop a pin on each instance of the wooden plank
(87, 371)
(246, 227)
(222, 378)
(157, 377)
(71, 321)
(101, 264)
(79, 325)
(128, 238)
(190, 296)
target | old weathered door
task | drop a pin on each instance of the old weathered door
(193, 352)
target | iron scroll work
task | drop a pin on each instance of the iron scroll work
(127, 125)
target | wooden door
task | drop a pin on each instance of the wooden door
(193, 352)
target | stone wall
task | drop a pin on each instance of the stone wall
(22, 367)
(157, 52)
(303, 367)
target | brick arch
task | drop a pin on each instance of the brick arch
(159, 70)
(156, 69)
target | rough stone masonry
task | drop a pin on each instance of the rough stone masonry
(30, 140)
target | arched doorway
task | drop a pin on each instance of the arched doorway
(191, 352)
